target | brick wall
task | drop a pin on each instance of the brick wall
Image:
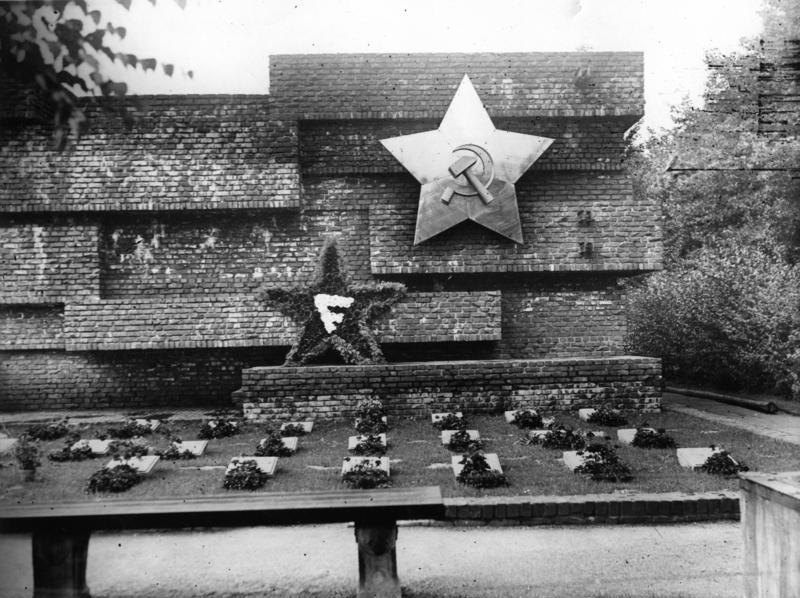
(56, 380)
(24, 327)
(46, 262)
(359, 86)
(236, 321)
(178, 153)
(417, 389)
(625, 232)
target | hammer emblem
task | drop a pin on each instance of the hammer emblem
(463, 166)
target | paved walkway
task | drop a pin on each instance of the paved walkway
(780, 426)
(687, 561)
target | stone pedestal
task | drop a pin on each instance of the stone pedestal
(377, 560)
(59, 564)
(770, 522)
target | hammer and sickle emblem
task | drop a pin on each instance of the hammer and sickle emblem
(477, 183)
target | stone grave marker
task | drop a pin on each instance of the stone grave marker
(626, 435)
(572, 459)
(352, 441)
(491, 459)
(537, 434)
(379, 462)
(437, 417)
(307, 426)
(99, 447)
(267, 465)
(143, 465)
(7, 446)
(448, 434)
(196, 447)
(153, 424)
(692, 458)
(290, 442)
(585, 414)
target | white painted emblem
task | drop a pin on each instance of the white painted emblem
(324, 303)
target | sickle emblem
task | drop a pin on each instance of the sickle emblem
(463, 166)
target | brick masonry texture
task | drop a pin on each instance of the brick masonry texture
(625, 233)
(56, 380)
(181, 152)
(48, 263)
(353, 147)
(417, 389)
(359, 86)
(236, 321)
(25, 327)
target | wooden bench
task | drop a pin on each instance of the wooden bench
(61, 531)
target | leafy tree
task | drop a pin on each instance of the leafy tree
(58, 47)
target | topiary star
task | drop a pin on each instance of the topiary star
(335, 314)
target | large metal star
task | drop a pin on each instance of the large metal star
(467, 168)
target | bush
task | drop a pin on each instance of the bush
(650, 439)
(369, 417)
(527, 419)
(366, 475)
(729, 317)
(370, 446)
(451, 422)
(462, 443)
(244, 475)
(218, 428)
(51, 431)
(477, 473)
(603, 464)
(605, 416)
(722, 463)
(115, 479)
(272, 446)
(124, 449)
(175, 453)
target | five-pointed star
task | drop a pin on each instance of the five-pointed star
(499, 159)
(351, 336)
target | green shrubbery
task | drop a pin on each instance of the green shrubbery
(729, 316)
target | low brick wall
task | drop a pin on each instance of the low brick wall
(417, 389)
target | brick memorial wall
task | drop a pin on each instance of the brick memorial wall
(130, 264)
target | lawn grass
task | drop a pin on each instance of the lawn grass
(414, 445)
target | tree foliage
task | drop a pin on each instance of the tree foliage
(62, 49)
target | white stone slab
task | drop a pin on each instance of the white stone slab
(572, 459)
(626, 435)
(99, 447)
(354, 440)
(437, 417)
(196, 447)
(585, 414)
(379, 462)
(594, 433)
(307, 426)
(692, 458)
(491, 459)
(7, 445)
(143, 465)
(290, 442)
(448, 434)
(151, 423)
(267, 465)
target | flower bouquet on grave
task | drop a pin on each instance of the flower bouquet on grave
(722, 463)
(125, 449)
(244, 474)
(371, 445)
(562, 438)
(605, 416)
(527, 419)
(652, 439)
(272, 445)
(218, 428)
(451, 421)
(366, 475)
(175, 452)
(27, 454)
(114, 479)
(477, 472)
(371, 417)
(462, 442)
(601, 463)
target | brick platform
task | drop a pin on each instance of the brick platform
(417, 389)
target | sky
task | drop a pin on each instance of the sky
(227, 43)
